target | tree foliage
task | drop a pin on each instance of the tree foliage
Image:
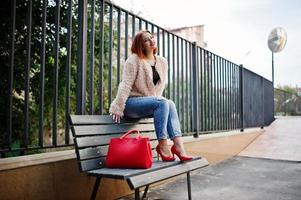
(19, 67)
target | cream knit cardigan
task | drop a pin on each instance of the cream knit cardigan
(137, 80)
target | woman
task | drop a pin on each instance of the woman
(140, 95)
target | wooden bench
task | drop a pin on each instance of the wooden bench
(92, 134)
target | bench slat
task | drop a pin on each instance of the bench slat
(103, 119)
(158, 167)
(97, 163)
(99, 151)
(93, 152)
(92, 164)
(106, 129)
(126, 173)
(144, 179)
(83, 142)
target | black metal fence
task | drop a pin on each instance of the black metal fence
(66, 56)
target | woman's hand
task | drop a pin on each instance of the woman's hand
(116, 118)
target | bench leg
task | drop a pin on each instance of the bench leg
(137, 194)
(145, 192)
(96, 186)
(188, 185)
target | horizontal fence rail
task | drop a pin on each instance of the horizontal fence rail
(67, 56)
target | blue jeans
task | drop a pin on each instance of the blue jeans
(163, 111)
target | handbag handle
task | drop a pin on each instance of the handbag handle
(129, 132)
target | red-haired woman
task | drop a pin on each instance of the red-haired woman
(140, 95)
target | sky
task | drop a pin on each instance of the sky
(237, 30)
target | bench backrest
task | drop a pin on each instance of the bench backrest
(92, 134)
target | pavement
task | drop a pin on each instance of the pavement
(268, 169)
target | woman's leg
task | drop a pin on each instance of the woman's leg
(173, 128)
(137, 107)
(173, 123)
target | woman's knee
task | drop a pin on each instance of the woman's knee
(163, 103)
(171, 104)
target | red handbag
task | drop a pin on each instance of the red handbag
(129, 152)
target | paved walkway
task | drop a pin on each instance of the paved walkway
(268, 169)
(281, 141)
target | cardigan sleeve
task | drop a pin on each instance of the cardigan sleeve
(124, 88)
(164, 64)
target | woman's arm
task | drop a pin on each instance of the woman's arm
(124, 89)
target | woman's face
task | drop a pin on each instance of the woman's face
(149, 42)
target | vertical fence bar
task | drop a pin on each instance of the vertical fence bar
(237, 97)
(140, 24)
(118, 43)
(241, 94)
(198, 77)
(173, 68)
(68, 71)
(126, 32)
(219, 93)
(214, 94)
(195, 91)
(27, 72)
(208, 91)
(163, 43)
(178, 77)
(81, 57)
(205, 88)
(232, 96)
(229, 95)
(201, 89)
(211, 91)
(8, 137)
(232, 99)
(163, 47)
(190, 88)
(133, 26)
(101, 44)
(56, 72)
(110, 53)
(158, 40)
(187, 86)
(262, 99)
(92, 44)
(168, 59)
(42, 74)
(182, 84)
(153, 29)
(224, 93)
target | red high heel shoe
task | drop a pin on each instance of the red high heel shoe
(164, 158)
(182, 158)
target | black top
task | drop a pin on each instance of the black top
(156, 76)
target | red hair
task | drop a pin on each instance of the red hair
(137, 45)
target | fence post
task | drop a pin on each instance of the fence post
(263, 108)
(195, 95)
(81, 57)
(241, 89)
